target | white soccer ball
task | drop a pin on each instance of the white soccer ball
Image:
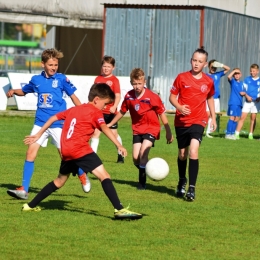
(157, 169)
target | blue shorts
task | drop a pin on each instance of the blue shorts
(234, 110)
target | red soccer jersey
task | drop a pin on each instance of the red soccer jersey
(79, 125)
(113, 83)
(194, 93)
(144, 112)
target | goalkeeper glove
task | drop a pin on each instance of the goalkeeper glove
(217, 64)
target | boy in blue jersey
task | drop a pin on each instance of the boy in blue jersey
(235, 102)
(216, 76)
(252, 105)
(49, 86)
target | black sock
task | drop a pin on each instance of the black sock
(142, 176)
(44, 193)
(137, 166)
(110, 191)
(182, 165)
(193, 171)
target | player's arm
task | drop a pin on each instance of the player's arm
(75, 100)
(231, 74)
(107, 131)
(184, 109)
(116, 118)
(169, 136)
(211, 106)
(17, 92)
(33, 138)
(116, 102)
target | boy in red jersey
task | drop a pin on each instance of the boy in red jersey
(144, 107)
(109, 112)
(79, 125)
(189, 94)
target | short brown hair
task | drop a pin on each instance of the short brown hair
(254, 66)
(108, 59)
(202, 51)
(101, 90)
(137, 73)
(51, 54)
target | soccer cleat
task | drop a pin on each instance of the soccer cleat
(141, 186)
(126, 214)
(120, 158)
(237, 136)
(190, 195)
(230, 137)
(26, 208)
(208, 135)
(180, 190)
(86, 185)
(19, 193)
(250, 137)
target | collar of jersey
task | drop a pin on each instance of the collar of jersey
(44, 75)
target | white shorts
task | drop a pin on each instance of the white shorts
(251, 107)
(217, 105)
(54, 133)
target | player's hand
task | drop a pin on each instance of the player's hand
(217, 64)
(30, 139)
(122, 150)
(112, 110)
(109, 125)
(169, 138)
(10, 93)
(248, 98)
(185, 110)
(213, 126)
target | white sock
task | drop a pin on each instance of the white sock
(209, 123)
(236, 132)
(119, 140)
(94, 144)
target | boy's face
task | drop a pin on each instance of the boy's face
(107, 69)
(101, 103)
(198, 62)
(237, 75)
(212, 69)
(254, 72)
(50, 67)
(138, 85)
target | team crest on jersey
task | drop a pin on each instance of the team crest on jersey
(109, 83)
(137, 107)
(45, 100)
(204, 88)
(55, 83)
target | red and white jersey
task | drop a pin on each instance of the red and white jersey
(144, 111)
(194, 93)
(79, 125)
(114, 84)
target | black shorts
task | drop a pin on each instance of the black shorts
(108, 118)
(87, 163)
(185, 134)
(140, 138)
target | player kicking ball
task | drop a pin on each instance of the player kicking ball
(80, 123)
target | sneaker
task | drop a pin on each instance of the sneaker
(86, 185)
(19, 193)
(250, 137)
(126, 214)
(208, 135)
(180, 190)
(190, 195)
(120, 158)
(237, 136)
(141, 186)
(230, 137)
(27, 208)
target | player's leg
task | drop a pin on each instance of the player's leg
(230, 123)
(92, 163)
(65, 169)
(95, 140)
(28, 168)
(55, 133)
(183, 140)
(245, 110)
(252, 126)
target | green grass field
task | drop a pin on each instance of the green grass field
(222, 223)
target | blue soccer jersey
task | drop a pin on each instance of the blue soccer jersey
(50, 96)
(252, 87)
(216, 78)
(235, 98)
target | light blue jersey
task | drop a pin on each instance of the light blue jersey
(216, 78)
(235, 98)
(252, 87)
(50, 96)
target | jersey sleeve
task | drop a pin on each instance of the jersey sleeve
(98, 120)
(124, 107)
(176, 86)
(158, 105)
(68, 86)
(211, 87)
(116, 86)
(30, 87)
